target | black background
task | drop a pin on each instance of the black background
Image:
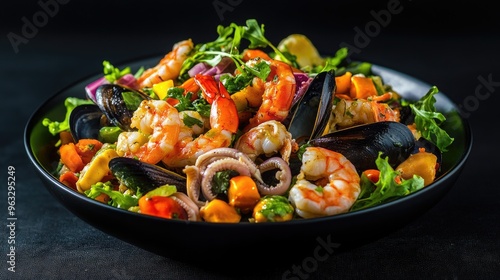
(452, 46)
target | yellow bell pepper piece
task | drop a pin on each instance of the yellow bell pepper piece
(161, 89)
(95, 170)
(219, 211)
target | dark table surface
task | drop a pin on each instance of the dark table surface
(455, 48)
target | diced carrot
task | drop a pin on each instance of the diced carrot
(381, 98)
(104, 198)
(66, 137)
(362, 87)
(87, 148)
(71, 158)
(69, 179)
(343, 84)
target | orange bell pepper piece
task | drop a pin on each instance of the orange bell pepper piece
(362, 87)
(219, 211)
(243, 193)
(343, 84)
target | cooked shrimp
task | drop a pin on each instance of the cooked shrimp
(187, 150)
(223, 123)
(267, 138)
(278, 93)
(192, 123)
(252, 54)
(328, 184)
(169, 66)
(360, 111)
(159, 127)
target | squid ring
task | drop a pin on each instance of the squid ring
(284, 175)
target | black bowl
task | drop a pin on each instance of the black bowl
(205, 242)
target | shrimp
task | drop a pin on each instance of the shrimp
(188, 149)
(267, 138)
(223, 124)
(360, 111)
(192, 123)
(279, 91)
(334, 188)
(159, 127)
(169, 66)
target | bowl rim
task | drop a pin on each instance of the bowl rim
(456, 168)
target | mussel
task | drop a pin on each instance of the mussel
(118, 103)
(85, 121)
(114, 106)
(311, 113)
(143, 177)
(361, 144)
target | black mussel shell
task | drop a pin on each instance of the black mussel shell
(109, 98)
(85, 121)
(361, 144)
(311, 113)
(143, 177)
(406, 115)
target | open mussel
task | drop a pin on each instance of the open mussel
(85, 121)
(143, 177)
(311, 113)
(361, 144)
(118, 103)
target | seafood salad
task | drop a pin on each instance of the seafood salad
(242, 130)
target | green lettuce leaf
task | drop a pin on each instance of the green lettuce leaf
(428, 120)
(389, 186)
(117, 199)
(56, 127)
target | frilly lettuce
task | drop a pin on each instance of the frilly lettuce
(389, 186)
